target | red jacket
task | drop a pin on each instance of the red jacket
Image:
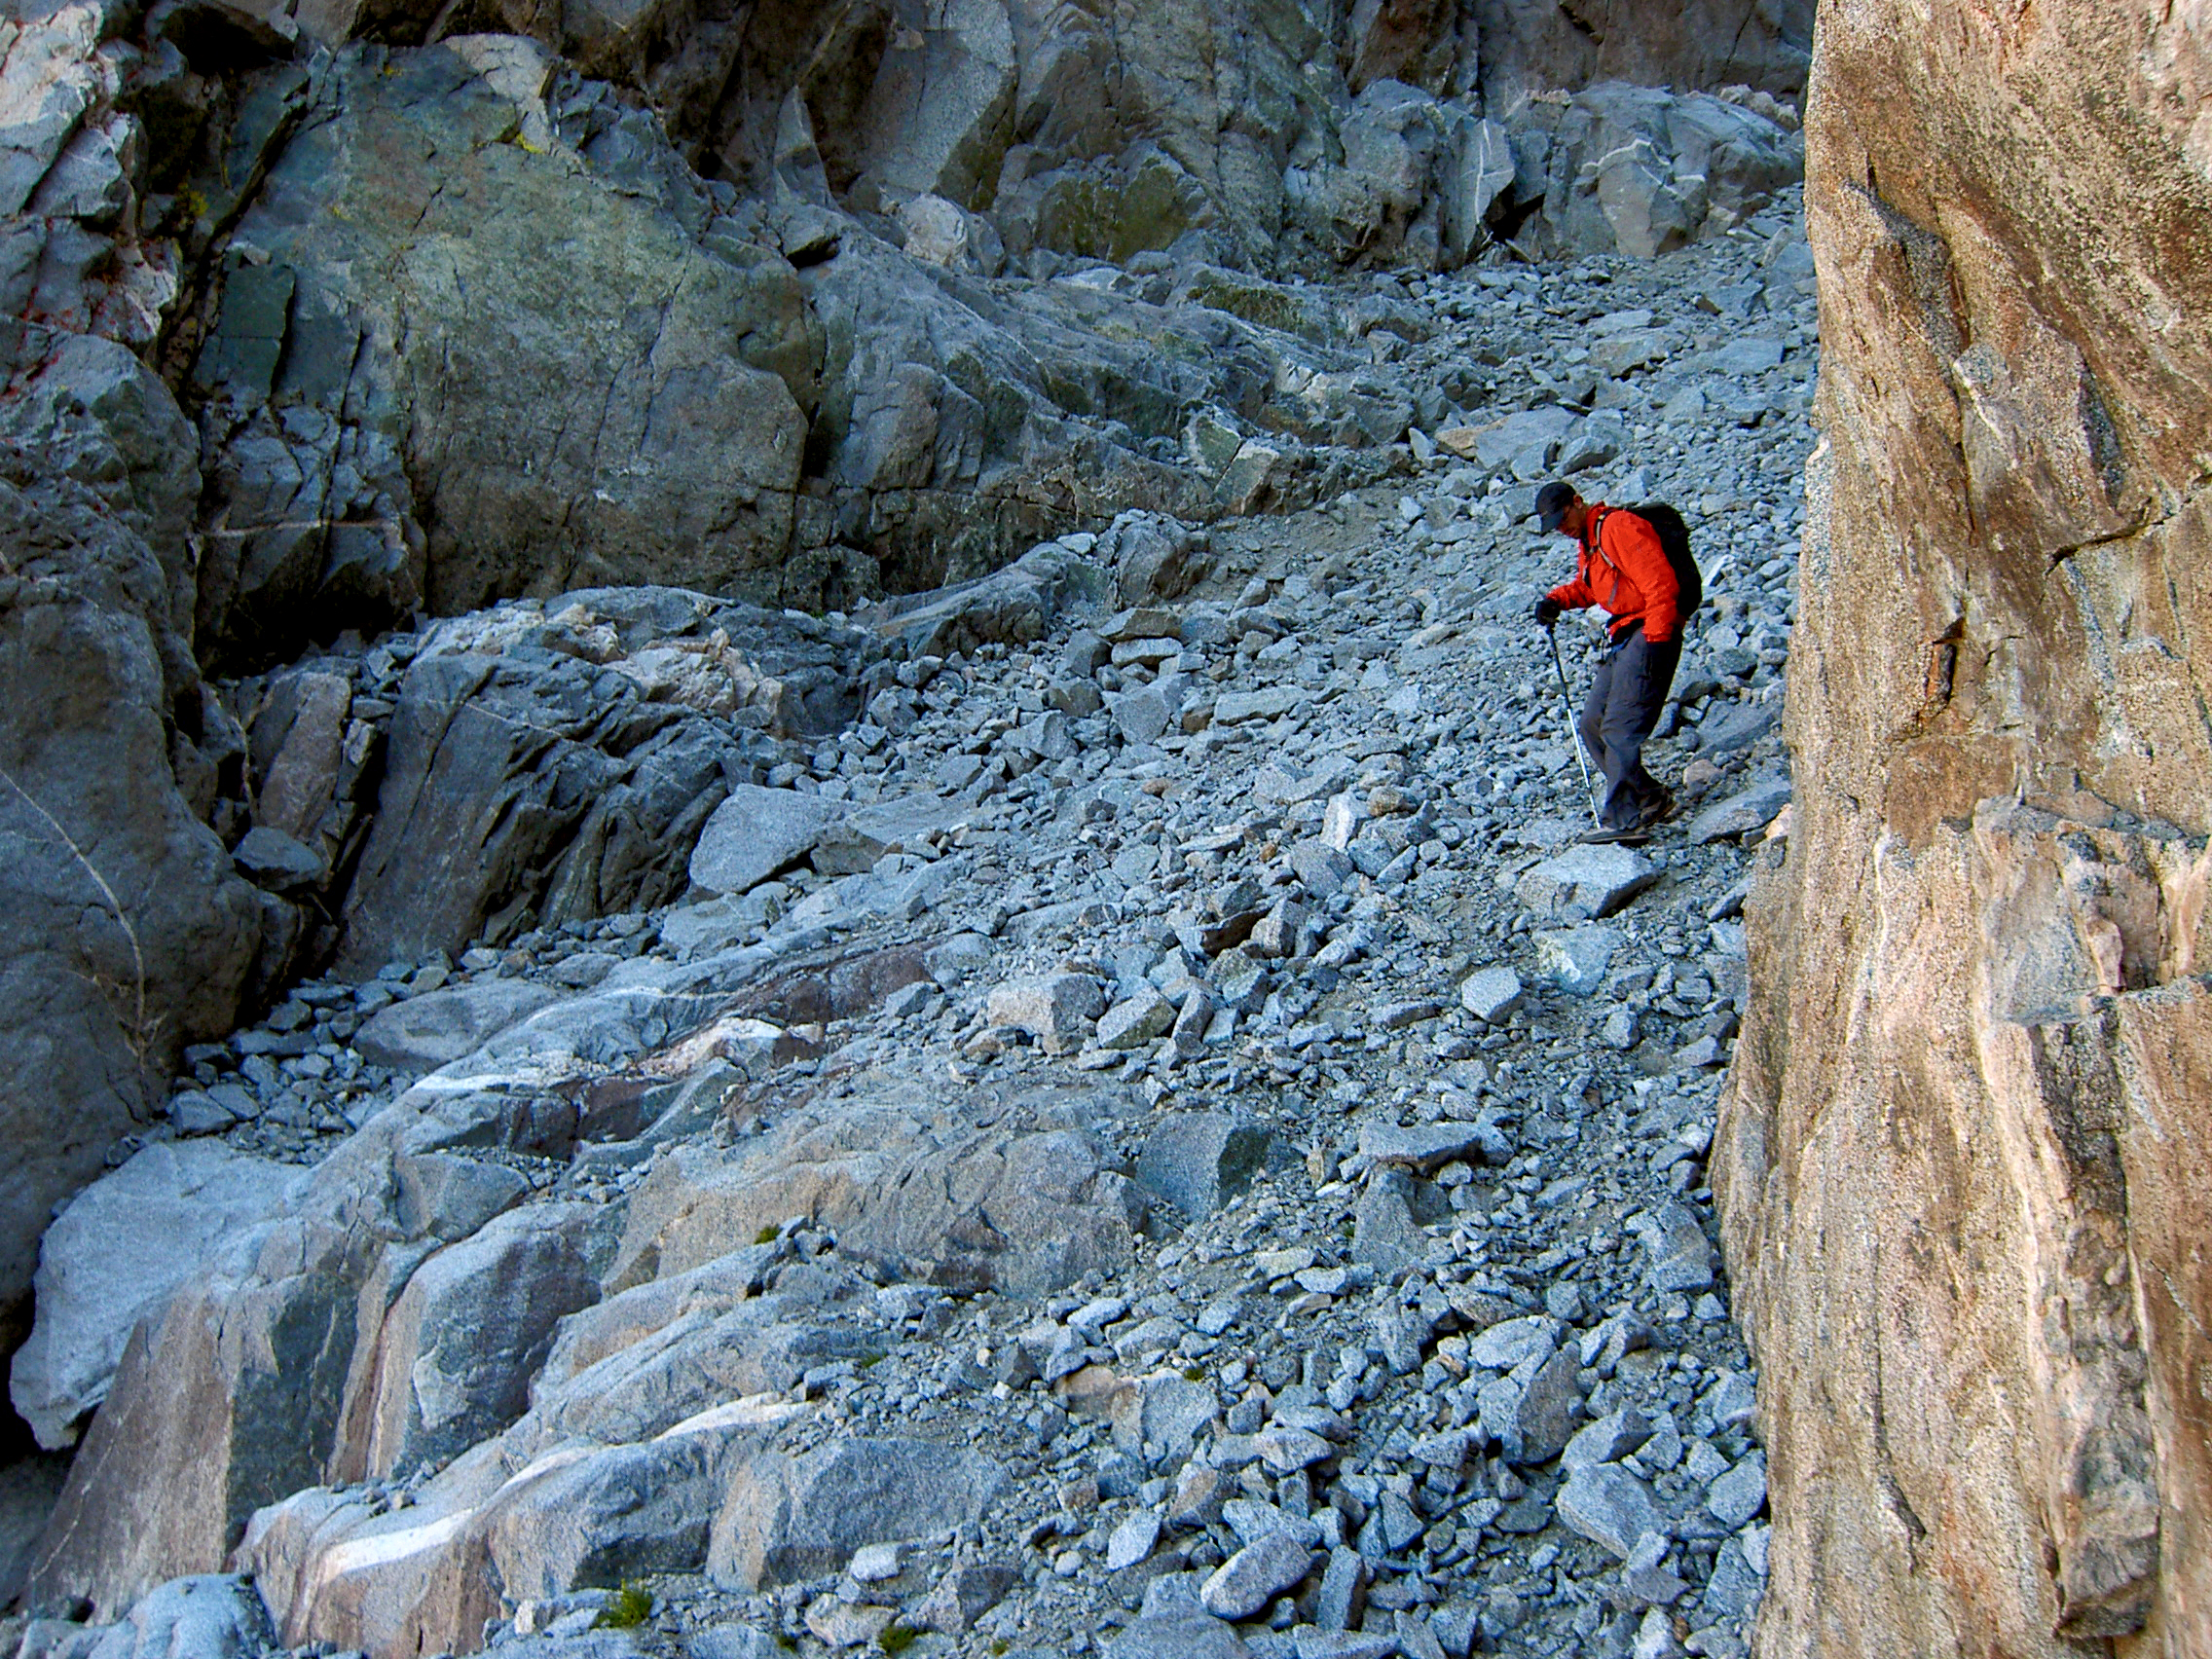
(1624, 569)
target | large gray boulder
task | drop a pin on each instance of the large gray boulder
(226, 1403)
(335, 1567)
(259, 1370)
(1642, 172)
(210, 1616)
(756, 832)
(1013, 605)
(1196, 1162)
(1534, 45)
(423, 1033)
(115, 1254)
(532, 414)
(784, 1519)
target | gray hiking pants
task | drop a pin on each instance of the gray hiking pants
(1626, 697)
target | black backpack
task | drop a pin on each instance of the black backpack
(1675, 537)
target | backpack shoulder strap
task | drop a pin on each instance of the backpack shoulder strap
(1598, 535)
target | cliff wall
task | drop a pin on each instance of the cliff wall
(1960, 1160)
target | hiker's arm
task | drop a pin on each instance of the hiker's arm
(1573, 596)
(1634, 547)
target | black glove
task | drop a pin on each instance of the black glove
(1547, 611)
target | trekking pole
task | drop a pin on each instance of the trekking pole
(1573, 737)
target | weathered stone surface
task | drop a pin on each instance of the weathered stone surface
(1008, 606)
(1025, 1212)
(115, 1254)
(453, 1361)
(220, 1617)
(429, 1031)
(587, 1514)
(1638, 170)
(525, 779)
(1187, 1636)
(1575, 959)
(1974, 1020)
(1255, 1575)
(786, 1519)
(1426, 1147)
(1608, 1506)
(1059, 1010)
(1132, 1023)
(514, 490)
(183, 1451)
(1489, 993)
(1385, 1235)
(358, 438)
(1610, 1438)
(1738, 814)
(1594, 880)
(1676, 1255)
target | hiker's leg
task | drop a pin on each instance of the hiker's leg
(1599, 715)
(1591, 727)
(1642, 675)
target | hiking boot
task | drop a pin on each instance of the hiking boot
(1660, 809)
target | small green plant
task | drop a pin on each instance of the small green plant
(766, 1236)
(1001, 1643)
(632, 1607)
(872, 1359)
(897, 1637)
(1193, 1374)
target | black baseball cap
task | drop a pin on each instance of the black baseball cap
(1552, 502)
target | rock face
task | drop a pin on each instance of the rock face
(1962, 1161)
(495, 387)
(124, 933)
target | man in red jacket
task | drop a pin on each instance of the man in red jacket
(1624, 569)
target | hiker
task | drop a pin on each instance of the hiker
(1624, 569)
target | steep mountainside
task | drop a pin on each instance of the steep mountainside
(317, 318)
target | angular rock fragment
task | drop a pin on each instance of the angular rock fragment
(439, 1027)
(1059, 1010)
(1590, 880)
(1677, 1255)
(756, 832)
(1489, 993)
(1609, 1506)
(1255, 1575)
(1198, 1160)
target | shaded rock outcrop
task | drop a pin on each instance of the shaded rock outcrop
(1971, 1095)
(124, 933)
(560, 767)
(604, 408)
